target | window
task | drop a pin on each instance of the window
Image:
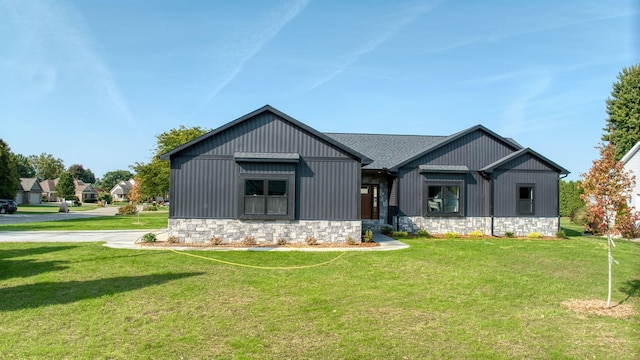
(269, 197)
(443, 200)
(525, 199)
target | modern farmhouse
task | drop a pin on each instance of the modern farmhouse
(269, 176)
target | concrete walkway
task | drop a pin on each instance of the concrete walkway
(20, 218)
(126, 239)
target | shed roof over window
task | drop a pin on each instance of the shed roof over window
(267, 157)
(444, 168)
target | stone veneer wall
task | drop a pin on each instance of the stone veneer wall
(520, 226)
(264, 231)
(440, 225)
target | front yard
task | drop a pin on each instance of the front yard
(440, 298)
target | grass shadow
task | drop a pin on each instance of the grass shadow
(28, 267)
(14, 253)
(631, 288)
(54, 293)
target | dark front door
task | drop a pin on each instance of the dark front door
(369, 201)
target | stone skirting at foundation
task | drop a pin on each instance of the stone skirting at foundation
(522, 226)
(264, 231)
(519, 226)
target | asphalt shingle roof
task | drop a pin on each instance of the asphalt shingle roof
(386, 150)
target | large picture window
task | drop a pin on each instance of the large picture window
(526, 199)
(443, 199)
(267, 197)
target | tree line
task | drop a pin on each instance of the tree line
(152, 178)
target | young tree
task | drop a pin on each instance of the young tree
(623, 108)
(65, 188)
(136, 196)
(607, 188)
(46, 166)
(9, 178)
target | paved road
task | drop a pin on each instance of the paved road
(19, 218)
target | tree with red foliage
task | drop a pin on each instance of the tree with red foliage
(607, 189)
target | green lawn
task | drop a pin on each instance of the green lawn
(52, 208)
(486, 298)
(148, 220)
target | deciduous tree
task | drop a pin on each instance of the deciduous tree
(111, 178)
(623, 108)
(154, 176)
(9, 178)
(80, 173)
(65, 188)
(47, 166)
(25, 169)
(607, 189)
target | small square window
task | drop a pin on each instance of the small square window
(443, 200)
(267, 198)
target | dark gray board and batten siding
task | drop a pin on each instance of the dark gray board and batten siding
(473, 150)
(327, 178)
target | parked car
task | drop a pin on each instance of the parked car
(8, 206)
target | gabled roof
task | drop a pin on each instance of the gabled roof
(48, 185)
(268, 108)
(629, 155)
(28, 184)
(491, 167)
(447, 140)
(387, 150)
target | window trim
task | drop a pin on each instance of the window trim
(426, 212)
(533, 200)
(289, 178)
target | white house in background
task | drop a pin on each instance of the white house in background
(631, 161)
(121, 190)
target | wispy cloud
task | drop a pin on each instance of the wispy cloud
(249, 47)
(400, 22)
(549, 26)
(516, 115)
(48, 34)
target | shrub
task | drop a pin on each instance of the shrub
(509, 234)
(216, 240)
(534, 235)
(249, 241)
(149, 238)
(173, 239)
(399, 234)
(90, 201)
(128, 209)
(476, 233)
(106, 197)
(423, 233)
(561, 234)
(451, 235)
(387, 230)
(367, 236)
(310, 240)
(149, 207)
(282, 241)
(350, 241)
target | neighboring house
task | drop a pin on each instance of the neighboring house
(84, 191)
(49, 190)
(120, 191)
(631, 161)
(29, 191)
(269, 176)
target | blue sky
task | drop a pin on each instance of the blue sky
(92, 82)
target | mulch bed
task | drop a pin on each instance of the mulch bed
(238, 245)
(599, 307)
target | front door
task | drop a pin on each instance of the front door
(369, 201)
